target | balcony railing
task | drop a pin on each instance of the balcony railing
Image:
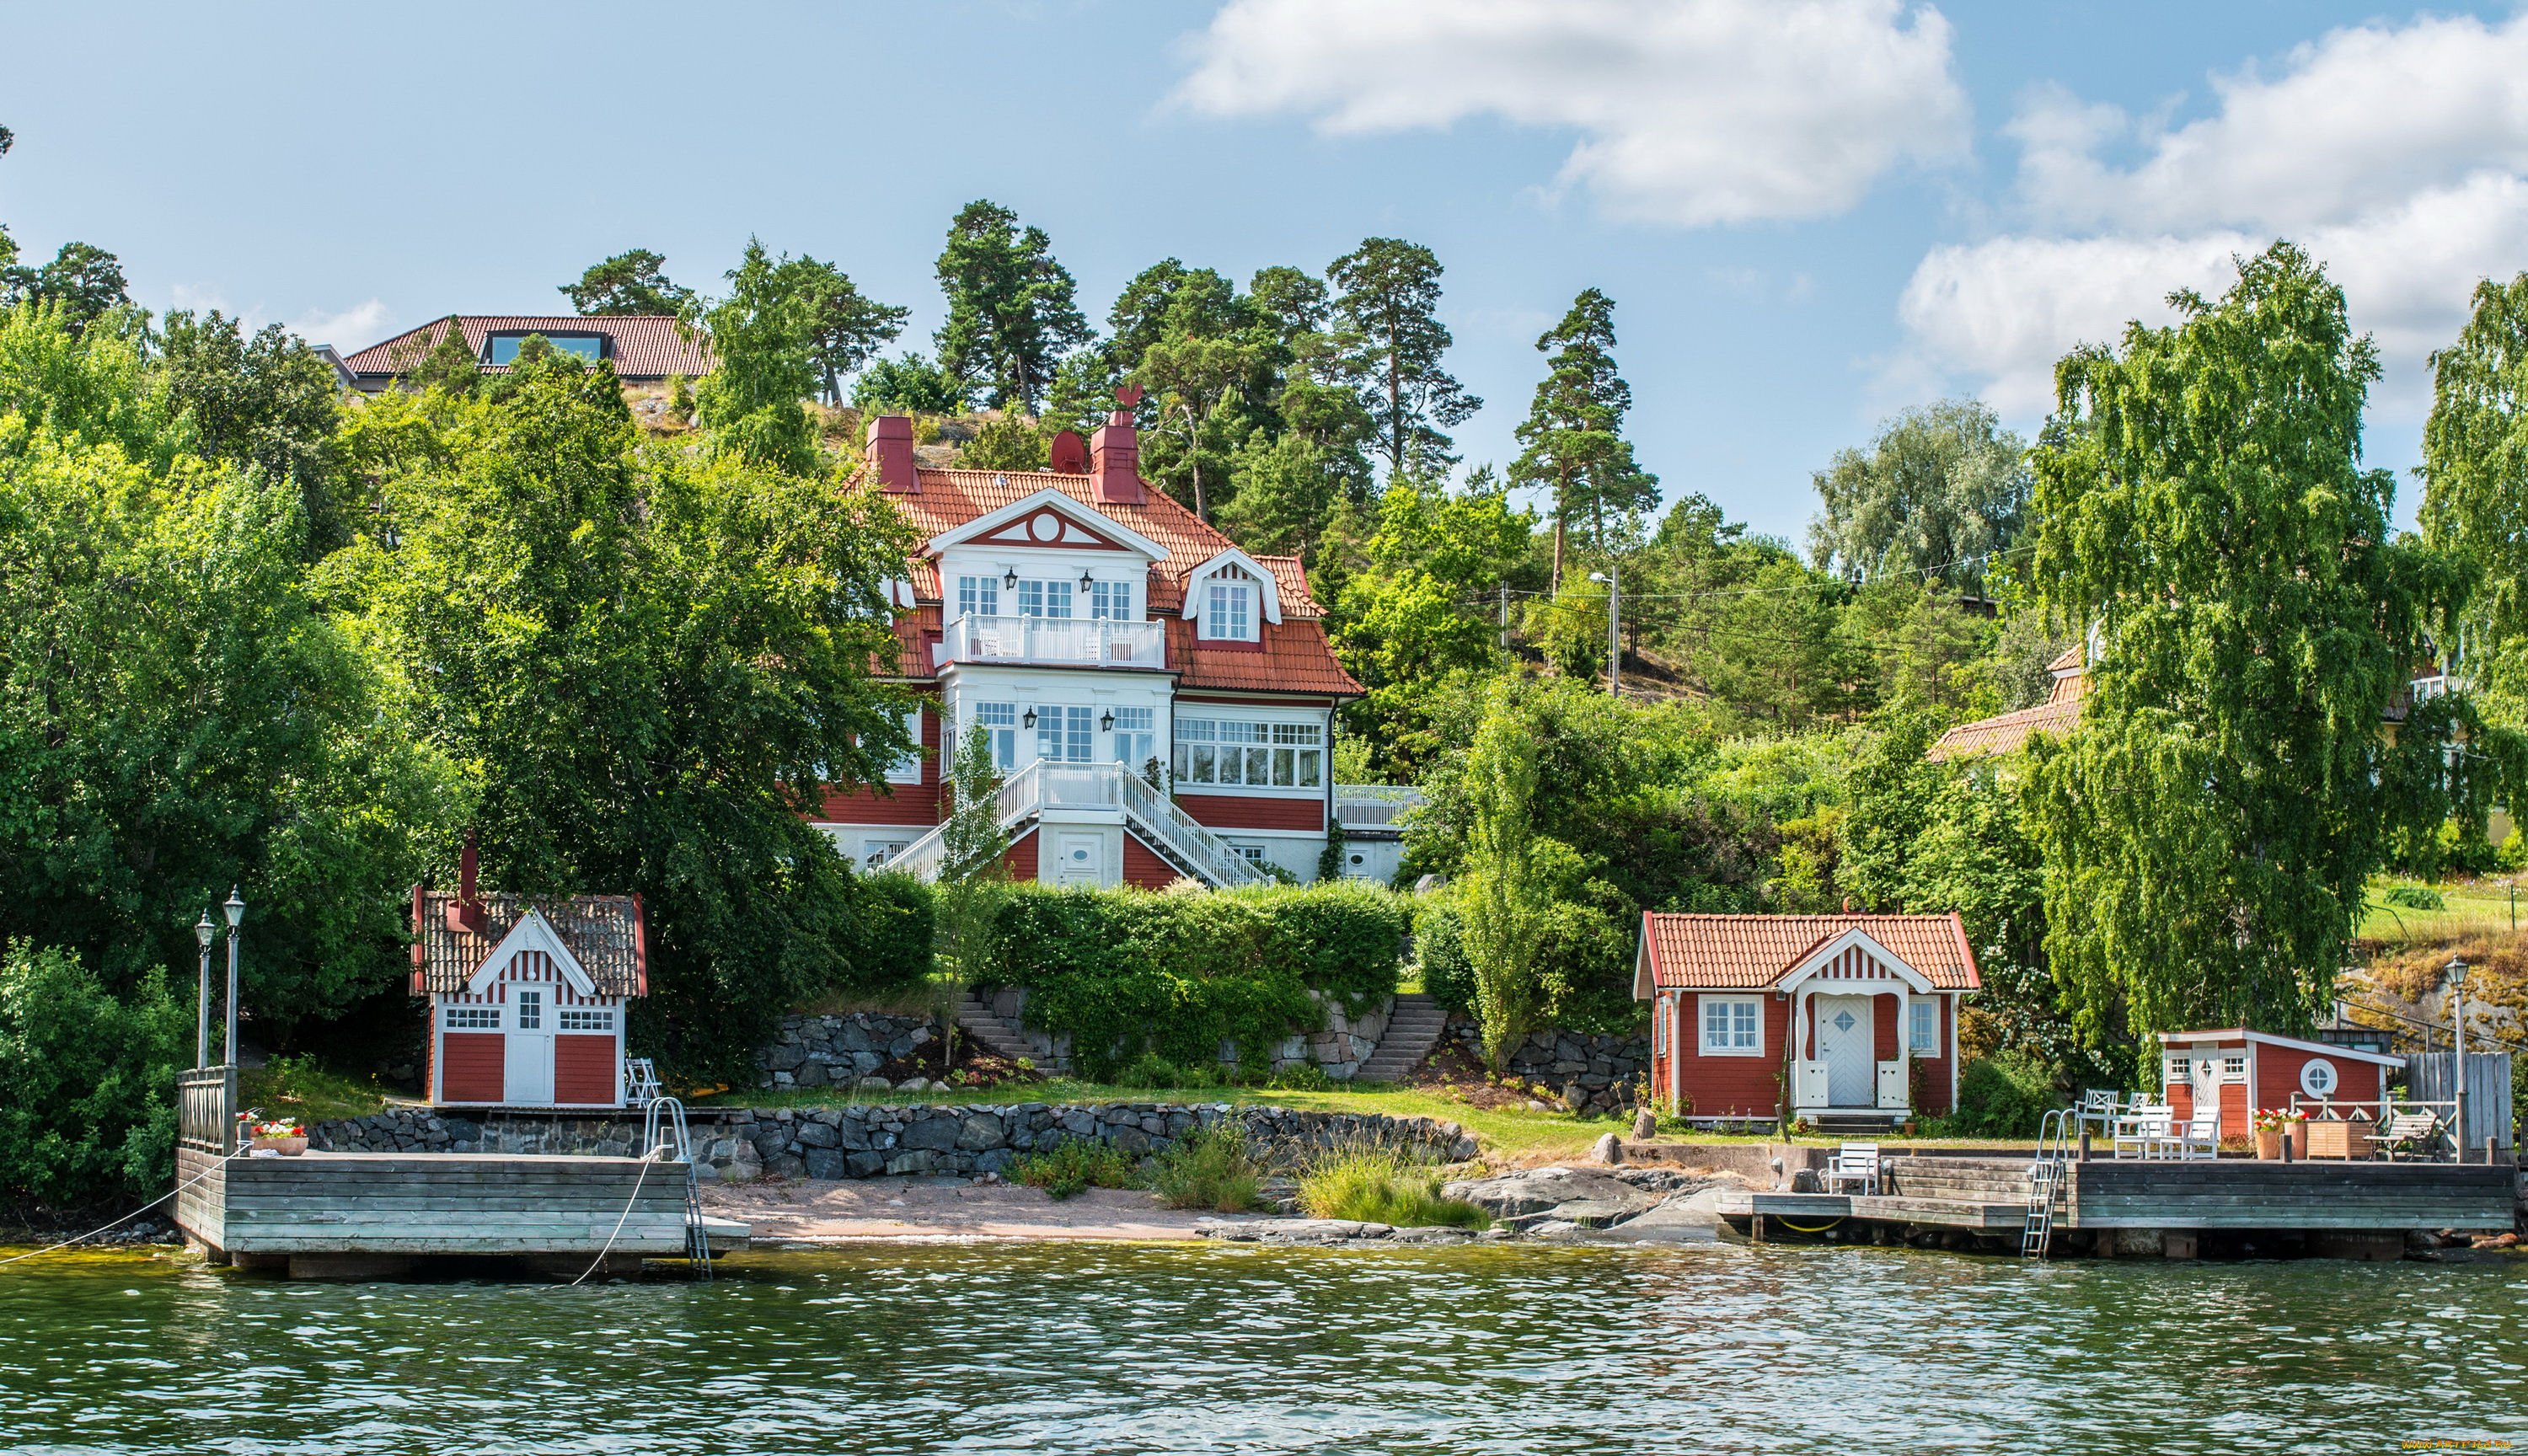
(1068, 642)
(1374, 806)
(1150, 814)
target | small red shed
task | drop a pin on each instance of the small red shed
(527, 1000)
(2239, 1071)
(1852, 1017)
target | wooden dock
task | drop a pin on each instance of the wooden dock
(319, 1214)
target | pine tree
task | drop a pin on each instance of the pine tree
(1574, 431)
(450, 363)
(1391, 296)
(1013, 311)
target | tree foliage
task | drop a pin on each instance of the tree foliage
(86, 1081)
(846, 327)
(2199, 499)
(1939, 496)
(84, 281)
(2475, 472)
(1502, 899)
(1387, 309)
(266, 402)
(629, 283)
(763, 358)
(1574, 431)
(1012, 308)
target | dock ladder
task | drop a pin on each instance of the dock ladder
(2048, 1178)
(662, 1124)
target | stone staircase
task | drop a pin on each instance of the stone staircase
(989, 1029)
(1414, 1028)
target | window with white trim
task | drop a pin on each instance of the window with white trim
(1045, 598)
(2180, 1069)
(978, 596)
(1925, 1022)
(1000, 722)
(472, 1018)
(531, 1010)
(1253, 854)
(1659, 1027)
(1228, 608)
(1733, 1026)
(878, 854)
(908, 769)
(588, 1021)
(1065, 735)
(1255, 755)
(2234, 1068)
(1135, 741)
(1111, 600)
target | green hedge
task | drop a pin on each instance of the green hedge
(1126, 973)
(87, 1083)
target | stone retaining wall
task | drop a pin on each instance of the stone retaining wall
(1340, 1047)
(1605, 1068)
(838, 1050)
(867, 1140)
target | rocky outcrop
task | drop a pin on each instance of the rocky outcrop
(1590, 1198)
(865, 1142)
(1596, 1073)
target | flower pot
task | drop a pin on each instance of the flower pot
(2269, 1143)
(287, 1147)
(2298, 1132)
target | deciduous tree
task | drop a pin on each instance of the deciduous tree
(1938, 495)
(762, 341)
(1502, 896)
(268, 402)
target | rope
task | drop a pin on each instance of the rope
(637, 1181)
(144, 1208)
(1796, 1228)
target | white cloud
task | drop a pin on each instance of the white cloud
(1690, 112)
(348, 331)
(2396, 156)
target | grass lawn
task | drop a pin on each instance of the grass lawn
(2472, 907)
(297, 1087)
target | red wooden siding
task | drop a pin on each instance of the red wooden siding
(902, 803)
(583, 1068)
(1144, 868)
(475, 1067)
(1237, 811)
(1021, 857)
(1720, 1085)
(2236, 1115)
(1882, 1028)
(1935, 1069)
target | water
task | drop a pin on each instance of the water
(1129, 1348)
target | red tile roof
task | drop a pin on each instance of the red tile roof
(1296, 658)
(1753, 951)
(603, 931)
(646, 346)
(2010, 732)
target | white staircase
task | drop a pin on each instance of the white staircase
(1101, 790)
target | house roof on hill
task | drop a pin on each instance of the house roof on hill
(641, 345)
(2008, 733)
(605, 932)
(1753, 951)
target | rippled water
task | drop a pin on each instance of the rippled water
(1126, 1348)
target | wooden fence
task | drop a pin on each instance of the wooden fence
(206, 1099)
(2432, 1077)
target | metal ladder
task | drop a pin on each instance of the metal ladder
(662, 1114)
(2046, 1177)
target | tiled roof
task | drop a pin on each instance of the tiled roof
(2009, 733)
(646, 346)
(1296, 658)
(1752, 952)
(2069, 659)
(604, 931)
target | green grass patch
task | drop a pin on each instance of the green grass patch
(1070, 1166)
(1210, 1169)
(1376, 1185)
(298, 1088)
(2401, 910)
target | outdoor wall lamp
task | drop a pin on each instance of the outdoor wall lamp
(1030, 720)
(1011, 581)
(1106, 723)
(1083, 580)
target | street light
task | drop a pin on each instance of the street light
(204, 931)
(1612, 576)
(235, 908)
(2458, 1027)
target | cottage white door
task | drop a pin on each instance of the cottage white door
(1084, 860)
(2207, 1084)
(1847, 1046)
(529, 1067)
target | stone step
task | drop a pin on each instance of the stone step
(988, 1027)
(1415, 1025)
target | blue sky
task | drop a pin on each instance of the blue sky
(1810, 214)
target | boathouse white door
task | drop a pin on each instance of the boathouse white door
(1084, 860)
(529, 1062)
(1847, 1045)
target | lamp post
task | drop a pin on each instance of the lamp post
(235, 909)
(1612, 576)
(203, 932)
(2457, 1031)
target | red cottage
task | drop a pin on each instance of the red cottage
(2239, 1070)
(1849, 1018)
(527, 1000)
(1159, 703)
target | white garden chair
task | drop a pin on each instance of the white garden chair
(2140, 1131)
(1854, 1163)
(2198, 1136)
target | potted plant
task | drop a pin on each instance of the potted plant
(2273, 1124)
(286, 1138)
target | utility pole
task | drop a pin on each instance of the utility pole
(1504, 630)
(1612, 576)
(2457, 1064)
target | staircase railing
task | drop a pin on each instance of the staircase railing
(662, 1124)
(1176, 835)
(2047, 1176)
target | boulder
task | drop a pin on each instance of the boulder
(1608, 1149)
(1537, 1190)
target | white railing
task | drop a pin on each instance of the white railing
(1092, 642)
(2440, 685)
(1374, 806)
(1110, 787)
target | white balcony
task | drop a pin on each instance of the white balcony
(1155, 818)
(1374, 806)
(1053, 642)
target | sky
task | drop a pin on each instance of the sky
(1812, 214)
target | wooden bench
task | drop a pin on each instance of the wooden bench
(2409, 1134)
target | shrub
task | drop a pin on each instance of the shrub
(1069, 1167)
(1440, 935)
(1302, 1076)
(2414, 897)
(1210, 1170)
(1376, 1185)
(1126, 972)
(87, 1083)
(1156, 1072)
(2003, 1096)
(893, 926)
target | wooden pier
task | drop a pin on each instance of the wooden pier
(1990, 1195)
(373, 1213)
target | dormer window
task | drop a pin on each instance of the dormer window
(503, 348)
(1229, 606)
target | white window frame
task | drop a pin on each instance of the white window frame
(531, 1010)
(1228, 607)
(1923, 1035)
(1290, 756)
(1137, 736)
(1659, 1027)
(978, 595)
(1732, 1005)
(1068, 731)
(2180, 1069)
(476, 1018)
(585, 1019)
(908, 769)
(1110, 601)
(2234, 1068)
(1000, 722)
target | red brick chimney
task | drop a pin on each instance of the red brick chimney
(890, 453)
(1115, 456)
(467, 913)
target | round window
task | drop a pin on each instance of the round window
(2318, 1078)
(1355, 858)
